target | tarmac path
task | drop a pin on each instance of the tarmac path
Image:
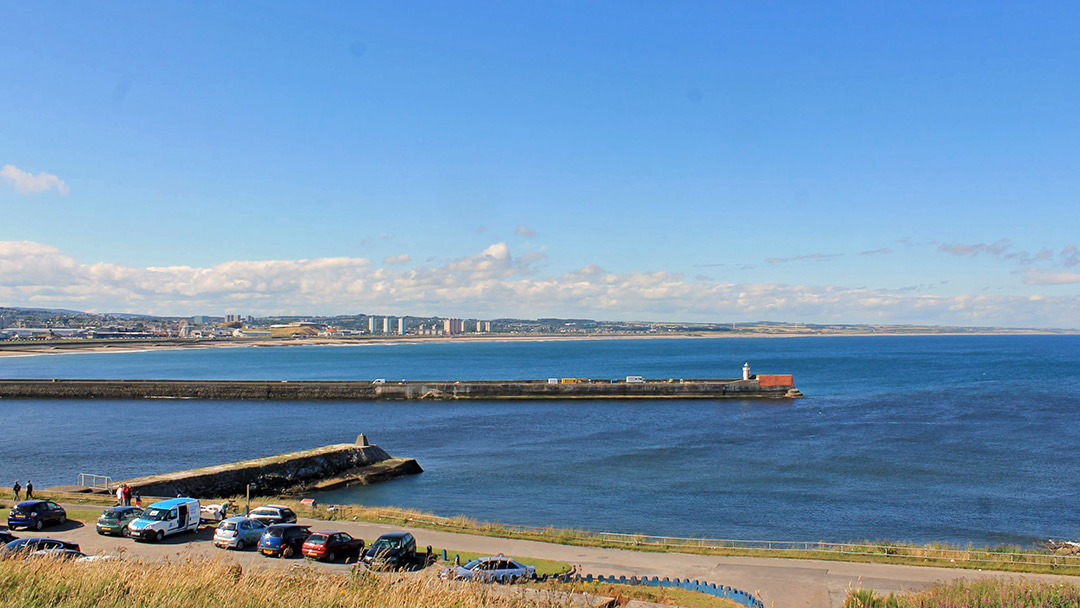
(780, 583)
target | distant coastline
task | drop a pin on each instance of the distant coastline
(56, 347)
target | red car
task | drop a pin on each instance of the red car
(328, 546)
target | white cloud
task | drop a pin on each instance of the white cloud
(493, 282)
(28, 183)
(402, 258)
(1038, 276)
(525, 231)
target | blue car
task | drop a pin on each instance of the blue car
(36, 514)
(283, 540)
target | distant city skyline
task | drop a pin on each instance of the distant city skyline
(690, 162)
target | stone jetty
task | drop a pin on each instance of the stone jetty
(293, 473)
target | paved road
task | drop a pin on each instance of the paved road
(781, 583)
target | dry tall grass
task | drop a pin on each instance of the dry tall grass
(984, 593)
(47, 583)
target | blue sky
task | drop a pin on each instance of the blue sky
(831, 162)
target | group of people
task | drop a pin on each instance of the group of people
(29, 490)
(124, 494)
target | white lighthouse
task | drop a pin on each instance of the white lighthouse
(746, 371)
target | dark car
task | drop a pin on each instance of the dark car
(29, 545)
(392, 550)
(283, 540)
(332, 544)
(7, 537)
(273, 514)
(114, 519)
(36, 514)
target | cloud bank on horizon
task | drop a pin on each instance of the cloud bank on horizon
(492, 282)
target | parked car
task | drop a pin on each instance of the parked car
(391, 551)
(239, 532)
(29, 545)
(496, 568)
(7, 537)
(36, 514)
(165, 518)
(330, 545)
(273, 514)
(283, 540)
(113, 520)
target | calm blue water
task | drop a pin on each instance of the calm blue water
(959, 439)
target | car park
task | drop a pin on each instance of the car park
(283, 540)
(330, 545)
(238, 532)
(165, 518)
(29, 545)
(114, 520)
(273, 514)
(36, 514)
(391, 551)
(494, 568)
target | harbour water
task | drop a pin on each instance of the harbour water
(924, 438)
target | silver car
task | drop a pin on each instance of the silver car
(496, 568)
(238, 532)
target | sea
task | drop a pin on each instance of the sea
(959, 439)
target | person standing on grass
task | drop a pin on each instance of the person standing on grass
(119, 495)
(16, 488)
(138, 499)
(127, 495)
(29, 490)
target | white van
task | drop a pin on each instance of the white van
(165, 518)
(635, 380)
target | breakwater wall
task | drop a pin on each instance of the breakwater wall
(766, 387)
(285, 474)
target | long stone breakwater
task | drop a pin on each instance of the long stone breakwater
(760, 386)
(293, 473)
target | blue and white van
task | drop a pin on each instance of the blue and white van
(165, 518)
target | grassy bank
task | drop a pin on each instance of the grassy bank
(47, 583)
(985, 593)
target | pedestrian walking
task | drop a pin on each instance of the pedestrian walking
(17, 488)
(29, 490)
